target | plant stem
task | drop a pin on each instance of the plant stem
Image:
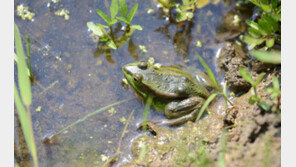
(112, 33)
(29, 58)
(33, 146)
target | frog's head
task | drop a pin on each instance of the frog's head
(135, 74)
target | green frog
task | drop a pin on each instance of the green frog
(176, 92)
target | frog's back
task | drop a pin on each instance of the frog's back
(170, 82)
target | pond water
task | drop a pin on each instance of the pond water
(74, 80)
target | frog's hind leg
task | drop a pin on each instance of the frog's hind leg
(181, 120)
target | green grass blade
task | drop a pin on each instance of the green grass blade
(132, 13)
(114, 9)
(26, 125)
(246, 75)
(104, 16)
(221, 156)
(91, 115)
(272, 57)
(123, 9)
(260, 77)
(23, 77)
(205, 105)
(209, 72)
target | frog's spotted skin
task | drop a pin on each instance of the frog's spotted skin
(167, 84)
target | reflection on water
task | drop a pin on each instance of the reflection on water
(74, 79)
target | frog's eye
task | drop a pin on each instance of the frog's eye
(143, 65)
(137, 77)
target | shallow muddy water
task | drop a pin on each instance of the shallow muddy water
(73, 80)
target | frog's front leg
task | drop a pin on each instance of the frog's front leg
(183, 111)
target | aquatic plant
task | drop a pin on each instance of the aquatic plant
(23, 97)
(267, 28)
(109, 37)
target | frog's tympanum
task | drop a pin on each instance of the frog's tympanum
(176, 92)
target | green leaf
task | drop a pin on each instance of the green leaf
(95, 29)
(276, 17)
(205, 105)
(252, 24)
(264, 106)
(171, 4)
(181, 17)
(269, 42)
(252, 46)
(103, 29)
(272, 57)
(276, 84)
(209, 72)
(246, 75)
(264, 27)
(274, 94)
(123, 9)
(111, 44)
(113, 21)
(248, 39)
(132, 13)
(273, 3)
(114, 9)
(260, 77)
(273, 25)
(255, 33)
(265, 7)
(102, 25)
(253, 99)
(22, 69)
(104, 16)
(164, 3)
(137, 27)
(123, 19)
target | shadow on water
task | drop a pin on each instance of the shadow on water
(74, 79)
(181, 36)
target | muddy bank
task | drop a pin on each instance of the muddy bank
(243, 135)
